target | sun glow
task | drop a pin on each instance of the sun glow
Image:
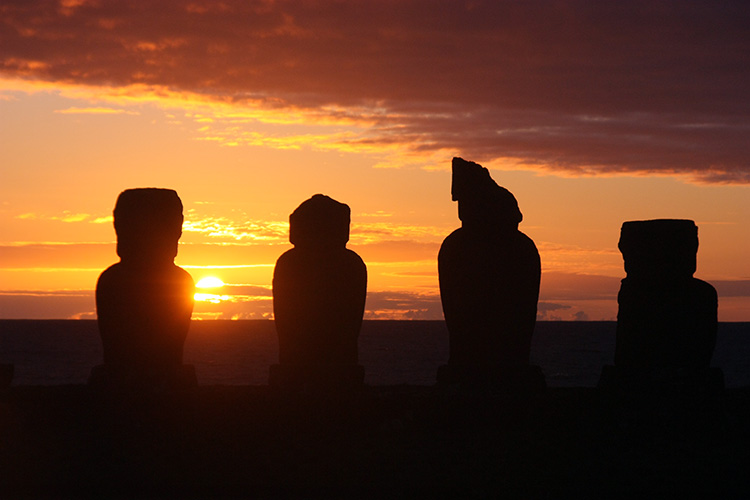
(212, 298)
(206, 283)
(209, 282)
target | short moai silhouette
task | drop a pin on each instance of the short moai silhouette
(667, 319)
(319, 290)
(489, 275)
(144, 302)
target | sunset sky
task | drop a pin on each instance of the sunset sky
(591, 113)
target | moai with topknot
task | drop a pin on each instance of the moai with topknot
(489, 275)
(319, 290)
(144, 302)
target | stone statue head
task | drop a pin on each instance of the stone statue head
(659, 248)
(319, 223)
(148, 223)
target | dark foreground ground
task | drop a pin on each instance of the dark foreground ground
(384, 442)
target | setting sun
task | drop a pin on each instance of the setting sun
(209, 282)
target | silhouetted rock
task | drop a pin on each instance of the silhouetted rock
(144, 302)
(489, 285)
(667, 319)
(319, 290)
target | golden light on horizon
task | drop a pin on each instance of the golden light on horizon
(210, 297)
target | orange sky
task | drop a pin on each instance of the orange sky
(590, 114)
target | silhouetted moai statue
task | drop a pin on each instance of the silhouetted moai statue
(6, 375)
(489, 285)
(667, 319)
(319, 290)
(144, 302)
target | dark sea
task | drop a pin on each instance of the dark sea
(571, 353)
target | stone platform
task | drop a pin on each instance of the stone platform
(380, 442)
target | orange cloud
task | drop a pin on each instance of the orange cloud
(66, 216)
(95, 111)
(224, 228)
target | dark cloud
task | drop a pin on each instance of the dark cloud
(732, 288)
(47, 305)
(545, 307)
(580, 316)
(403, 305)
(544, 311)
(579, 86)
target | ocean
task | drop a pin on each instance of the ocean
(570, 353)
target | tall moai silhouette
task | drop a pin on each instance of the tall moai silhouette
(489, 286)
(667, 319)
(144, 302)
(319, 290)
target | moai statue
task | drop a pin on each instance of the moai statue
(6, 375)
(489, 285)
(319, 290)
(144, 302)
(667, 319)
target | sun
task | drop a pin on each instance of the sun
(209, 282)
(212, 297)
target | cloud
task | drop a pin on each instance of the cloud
(95, 111)
(246, 301)
(574, 87)
(56, 304)
(224, 228)
(582, 299)
(66, 216)
(581, 316)
(544, 310)
(403, 305)
(731, 288)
